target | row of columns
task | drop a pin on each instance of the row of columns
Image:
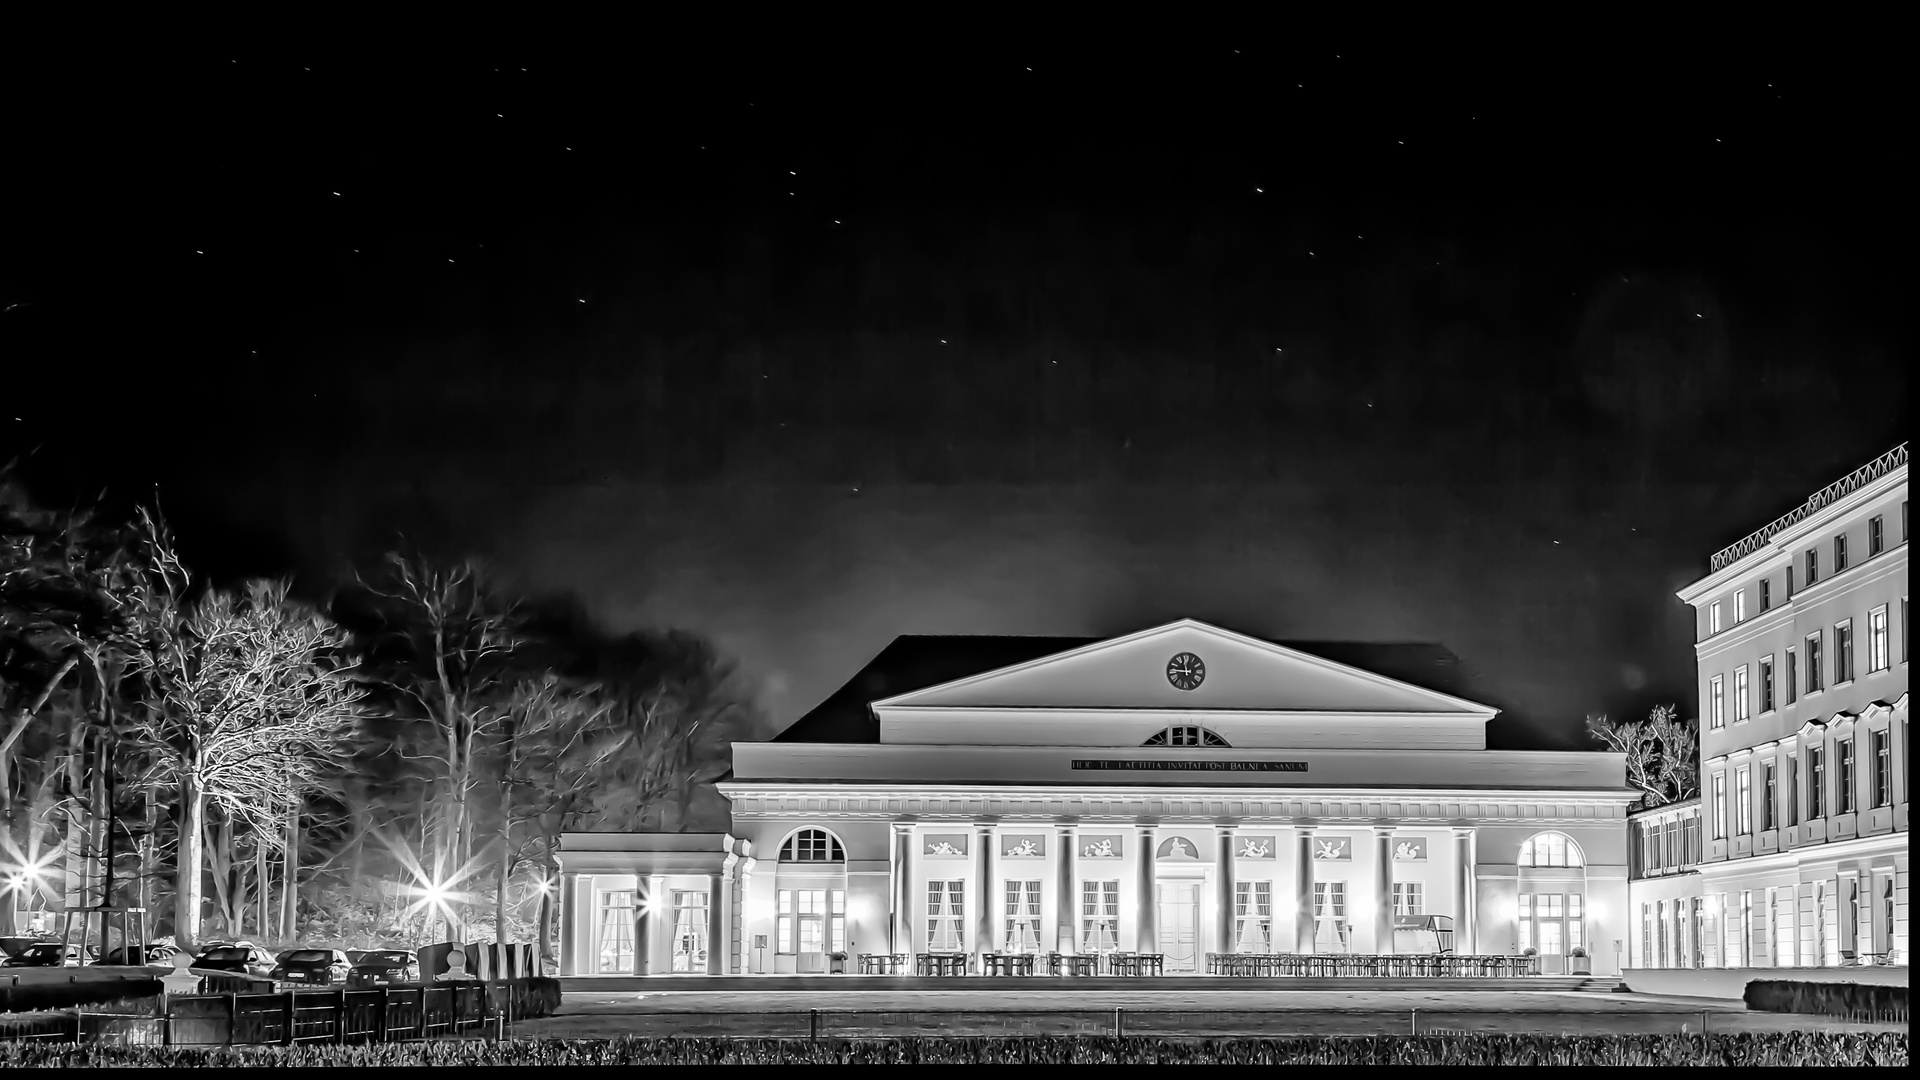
(651, 905)
(1146, 920)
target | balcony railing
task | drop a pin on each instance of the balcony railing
(1853, 481)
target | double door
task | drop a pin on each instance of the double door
(1179, 918)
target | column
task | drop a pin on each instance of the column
(1223, 890)
(1383, 890)
(570, 928)
(717, 924)
(984, 940)
(900, 927)
(1463, 936)
(643, 919)
(1146, 924)
(1065, 909)
(655, 912)
(1303, 889)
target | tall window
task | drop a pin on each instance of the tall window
(616, 932)
(1713, 619)
(1882, 768)
(1740, 705)
(1697, 932)
(1719, 806)
(1646, 933)
(1793, 677)
(1780, 916)
(689, 930)
(1253, 916)
(1843, 652)
(1877, 651)
(1816, 781)
(812, 845)
(1660, 924)
(1813, 566)
(1768, 793)
(1743, 799)
(1023, 917)
(1843, 776)
(1766, 684)
(1553, 923)
(1330, 930)
(1100, 916)
(1876, 536)
(1185, 736)
(1813, 662)
(1793, 789)
(1840, 553)
(946, 916)
(1766, 594)
(1746, 928)
(1740, 606)
(1673, 843)
(1409, 901)
(811, 920)
(1716, 702)
(1549, 849)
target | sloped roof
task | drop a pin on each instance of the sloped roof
(917, 661)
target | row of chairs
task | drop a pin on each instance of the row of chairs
(1401, 966)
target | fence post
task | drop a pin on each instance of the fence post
(1413, 1021)
(233, 1016)
(287, 1035)
(420, 1025)
(1119, 1023)
(1703, 1021)
(79, 1019)
(453, 1006)
(380, 1020)
(340, 1016)
(813, 1024)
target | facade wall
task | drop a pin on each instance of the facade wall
(1016, 727)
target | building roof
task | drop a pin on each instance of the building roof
(917, 661)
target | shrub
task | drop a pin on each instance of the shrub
(1858, 1001)
(1769, 1049)
(1577, 951)
(97, 990)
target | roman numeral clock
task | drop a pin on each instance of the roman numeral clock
(1186, 671)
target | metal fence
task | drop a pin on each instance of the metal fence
(387, 1014)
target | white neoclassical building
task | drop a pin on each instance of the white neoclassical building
(1182, 790)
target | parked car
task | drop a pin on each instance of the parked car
(239, 958)
(51, 954)
(385, 967)
(14, 946)
(324, 967)
(134, 956)
(354, 956)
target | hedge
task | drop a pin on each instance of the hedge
(40, 996)
(1794, 1049)
(1856, 1001)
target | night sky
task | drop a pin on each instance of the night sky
(806, 348)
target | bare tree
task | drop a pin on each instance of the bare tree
(1662, 752)
(247, 697)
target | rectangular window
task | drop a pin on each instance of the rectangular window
(1793, 789)
(1719, 806)
(1023, 917)
(1843, 776)
(1099, 916)
(1843, 652)
(1816, 781)
(1903, 629)
(1672, 843)
(1793, 677)
(1813, 662)
(1840, 553)
(1768, 792)
(1409, 900)
(1766, 594)
(811, 920)
(1740, 698)
(1576, 922)
(946, 916)
(1882, 768)
(1743, 800)
(1330, 930)
(1716, 703)
(616, 932)
(1740, 606)
(1646, 935)
(1877, 651)
(1766, 684)
(1713, 619)
(1876, 537)
(1253, 916)
(1813, 567)
(689, 930)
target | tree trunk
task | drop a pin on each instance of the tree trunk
(99, 824)
(505, 866)
(186, 876)
(9, 747)
(290, 883)
(262, 885)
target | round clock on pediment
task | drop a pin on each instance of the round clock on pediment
(1186, 671)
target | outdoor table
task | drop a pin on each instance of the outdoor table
(1007, 964)
(1138, 964)
(881, 963)
(941, 964)
(1074, 964)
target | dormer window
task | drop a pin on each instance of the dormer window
(1186, 736)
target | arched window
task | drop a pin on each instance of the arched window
(1550, 849)
(1186, 736)
(812, 845)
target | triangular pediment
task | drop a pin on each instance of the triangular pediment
(1236, 672)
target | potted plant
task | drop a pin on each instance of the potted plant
(1577, 961)
(1532, 952)
(837, 963)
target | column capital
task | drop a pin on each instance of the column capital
(902, 826)
(1384, 830)
(1464, 832)
(984, 827)
(1222, 828)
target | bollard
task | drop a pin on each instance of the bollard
(287, 1036)
(1703, 1021)
(813, 1024)
(1119, 1023)
(233, 1016)
(1413, 1022)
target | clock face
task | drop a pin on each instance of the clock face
(1186, 671)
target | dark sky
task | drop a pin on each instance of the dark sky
(808, 347)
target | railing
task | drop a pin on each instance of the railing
(1325, 965)
(1846, 485)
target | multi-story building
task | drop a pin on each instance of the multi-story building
(1666, 908)
(1802, 653)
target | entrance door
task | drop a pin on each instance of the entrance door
(1179, 925)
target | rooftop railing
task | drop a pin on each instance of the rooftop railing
(1846, 485)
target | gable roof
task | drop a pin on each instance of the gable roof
(918, 661)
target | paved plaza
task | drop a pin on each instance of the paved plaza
(844, 1011)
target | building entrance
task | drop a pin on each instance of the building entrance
(1179, 917)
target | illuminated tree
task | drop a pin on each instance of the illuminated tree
(1662, 752)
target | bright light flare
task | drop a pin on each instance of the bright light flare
(433, 894)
